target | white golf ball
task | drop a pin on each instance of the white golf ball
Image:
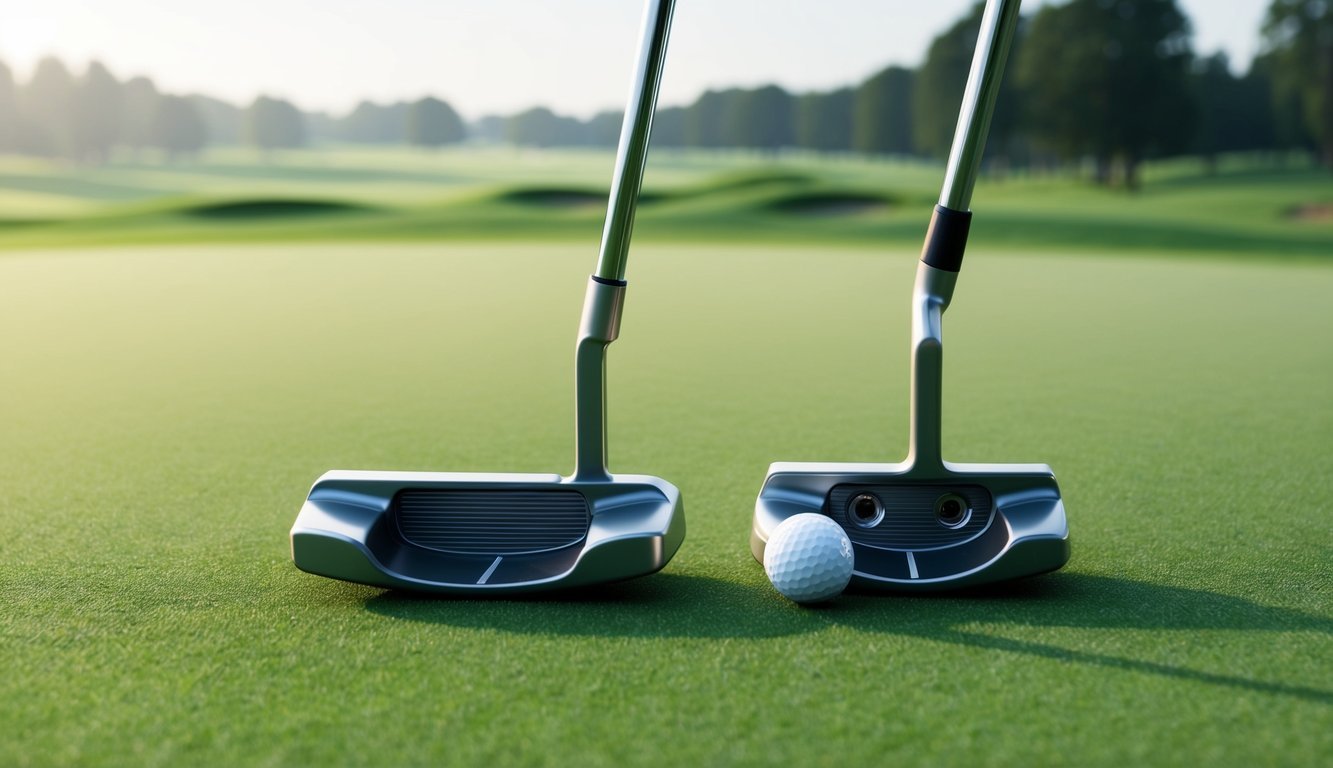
(809, 558)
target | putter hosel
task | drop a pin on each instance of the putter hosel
(600, 326)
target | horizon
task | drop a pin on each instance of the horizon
(508, 61)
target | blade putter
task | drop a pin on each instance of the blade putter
(926, 523)
(484, 533)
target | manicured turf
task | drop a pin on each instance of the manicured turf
(165, 409)
(1246, 210)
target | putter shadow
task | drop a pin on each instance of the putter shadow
(1086, 602)
(663, 605)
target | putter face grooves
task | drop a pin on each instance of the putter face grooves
(493, 522)
(933, 524)
(482, 533)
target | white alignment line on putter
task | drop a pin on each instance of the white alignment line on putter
(926, 523)
(481, 533)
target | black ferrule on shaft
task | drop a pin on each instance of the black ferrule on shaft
(946, 239)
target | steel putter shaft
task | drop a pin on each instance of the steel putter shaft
(926, 523)
(472, 533)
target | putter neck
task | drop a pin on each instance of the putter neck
(602, 306)
(930, 297)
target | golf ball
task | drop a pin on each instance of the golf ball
(808, 558)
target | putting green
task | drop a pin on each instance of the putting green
(164, 411)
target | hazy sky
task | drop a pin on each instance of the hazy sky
(487, 56)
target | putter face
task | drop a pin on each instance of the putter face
(926, 523)
(963, 525)
(450, 532)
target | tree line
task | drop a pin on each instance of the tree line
(1115, 82)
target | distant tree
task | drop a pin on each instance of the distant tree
(178, 128)
(1109, 79)
(669, 127)
(1235, 113)
(47, 108)
(1298, 36)
(824, 120)
(9, 111)
(223, 121)
(882, 113)
(139, 99)
(275, 124)
(704, 120)
(762, 118)
(490, 128)
(433, 123)
(603, 130)
(98, 112)
(540, 127)
(371, 123)
(322, 127)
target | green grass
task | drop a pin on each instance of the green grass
(1245, 211)
(166, 408)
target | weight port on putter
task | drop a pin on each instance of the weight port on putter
(952, 511)
(865, 510)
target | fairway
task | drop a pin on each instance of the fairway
(165, 409)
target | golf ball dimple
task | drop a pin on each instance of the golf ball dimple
(808, 558)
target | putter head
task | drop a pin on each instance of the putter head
(956, 526)
(469, 533)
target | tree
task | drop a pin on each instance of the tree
(224, 122)
(178, 128)
(540, 127)
(98, 112)
(1235, 113)
(46, 105)
(703, 120)
(371, 123)
(433, 123)
(762, 118)
(669, 127)
(9, 110)
(603, 130)
(1298, 36)
(882, 113)
(824, 120)
(138, 110)
(490, 128)
(275, 124)
(1109, 79)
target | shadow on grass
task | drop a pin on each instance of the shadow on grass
(673, 605)
(1082, 602)
(664, 605)
(266, 208)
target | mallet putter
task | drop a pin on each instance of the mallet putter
(925, 523)
(474, 533)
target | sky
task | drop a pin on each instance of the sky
(500, 56)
